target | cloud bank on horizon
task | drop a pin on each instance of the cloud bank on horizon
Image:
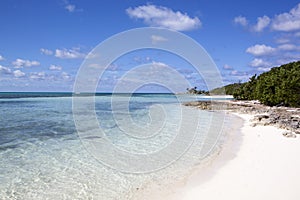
(242, 43)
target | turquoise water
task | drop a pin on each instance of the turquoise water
(43, 157)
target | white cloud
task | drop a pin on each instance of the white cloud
(18, 73)
(65, 75)
(227, 67)
(156, 38)
(241, 20)
(55, 67)
(288, 21)
(46, 51)
(159, 64)
(260, 50)
(4, 70)
(238, 73)
(37, 75)
(282, 40)
(288, 47)
(140, 60)
(164, 17)
(262, 22)
(234, 72)
(257, 62)
(155, 72)
(1, 58)
(263, 69)
(69, 53)
(20, 63)
(70, 7)
(286, 59)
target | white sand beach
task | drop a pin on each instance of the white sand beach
(259, 164)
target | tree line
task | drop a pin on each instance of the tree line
(279, 86)
(195, 91)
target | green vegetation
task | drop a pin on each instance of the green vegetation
(195, 91)
(279, 86)
(228, 89)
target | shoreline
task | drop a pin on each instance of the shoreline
(281, 117)
(206, 171)
(163, 190)
(259, 162)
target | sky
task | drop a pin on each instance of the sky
(44, 43)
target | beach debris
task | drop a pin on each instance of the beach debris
(281, 117)
(289, 134)
(261, 117)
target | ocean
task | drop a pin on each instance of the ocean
(44, 156)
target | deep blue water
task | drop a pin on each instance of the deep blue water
(13, 95)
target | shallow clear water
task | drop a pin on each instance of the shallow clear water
(43, 157)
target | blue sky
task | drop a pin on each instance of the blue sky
(43, 43)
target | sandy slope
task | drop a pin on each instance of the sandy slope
(266, 165)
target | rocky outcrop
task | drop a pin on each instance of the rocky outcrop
(289, 134)
(282, 117)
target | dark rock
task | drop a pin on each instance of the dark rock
(282, 117)
(289, 134)
(261, 117)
